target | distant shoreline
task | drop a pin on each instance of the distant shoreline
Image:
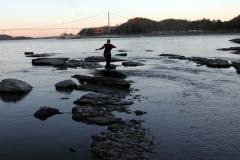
(136, 35)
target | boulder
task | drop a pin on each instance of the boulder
(237, 40)
(67, 84)
(101, 59)
(103, 81)
(49, 61)
(149, 50)
(236, 64)
(45, 112)
(14, 86)
(132, 64)
(236, 52)
(212, 63)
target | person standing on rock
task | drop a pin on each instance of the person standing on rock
(107, 52)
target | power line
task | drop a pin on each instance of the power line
(52, 25)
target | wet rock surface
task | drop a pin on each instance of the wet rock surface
(101, 59)
(103, 81)
(237, 40)
(121, 54)
(127, 140)
(65, 85)
(209, 62)
(14, 86)
(132, 64)
(45, 112)
(40, 55)
(230, 49)
(49, 61)
(80, 63)
(111, 74)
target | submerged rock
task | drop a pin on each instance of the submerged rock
(122, 50)
(67, 84)
(149, 50)
(132, 64)
(237, 40)
(45, 112)
(101, 59)
(126, 140)
(103, 81)
(14, 86)
(49, 61)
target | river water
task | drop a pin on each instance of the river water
(193, 111)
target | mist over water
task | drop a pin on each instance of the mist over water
(193, 111)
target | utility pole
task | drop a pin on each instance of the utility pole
(109, 28)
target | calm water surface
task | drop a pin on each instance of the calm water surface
(193, 112)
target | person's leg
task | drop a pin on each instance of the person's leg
(108, 60)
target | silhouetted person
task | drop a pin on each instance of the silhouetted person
(107, 52)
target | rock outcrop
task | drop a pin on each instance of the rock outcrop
(132, 64)
(45, 112)
(66, 85)
(49, 61)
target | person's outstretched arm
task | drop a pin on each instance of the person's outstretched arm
(101, 48)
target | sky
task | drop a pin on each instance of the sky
(40, 13)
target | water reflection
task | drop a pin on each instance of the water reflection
(12, 98)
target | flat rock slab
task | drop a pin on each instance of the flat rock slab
(111, 74)
(132, 64)
(83, 64)
(101, 99)
(237, 40)
(103, 81)
(230, 49)
(14, 86)
(49, 61)
(127, 140)
(173, 56)
(67, 84)
(45, 112)
(94, 115)
(40, 55)
(101, 59)
(121, 54)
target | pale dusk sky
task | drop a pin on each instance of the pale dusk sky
(37, 13)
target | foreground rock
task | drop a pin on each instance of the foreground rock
(140, 113)
(103, 81)
(14, 86)
(127, 140)
(132, 64)
(49, 61)
(237, 40)
(45, 112)
(28, 53)
(66, 85)
(101, 59)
